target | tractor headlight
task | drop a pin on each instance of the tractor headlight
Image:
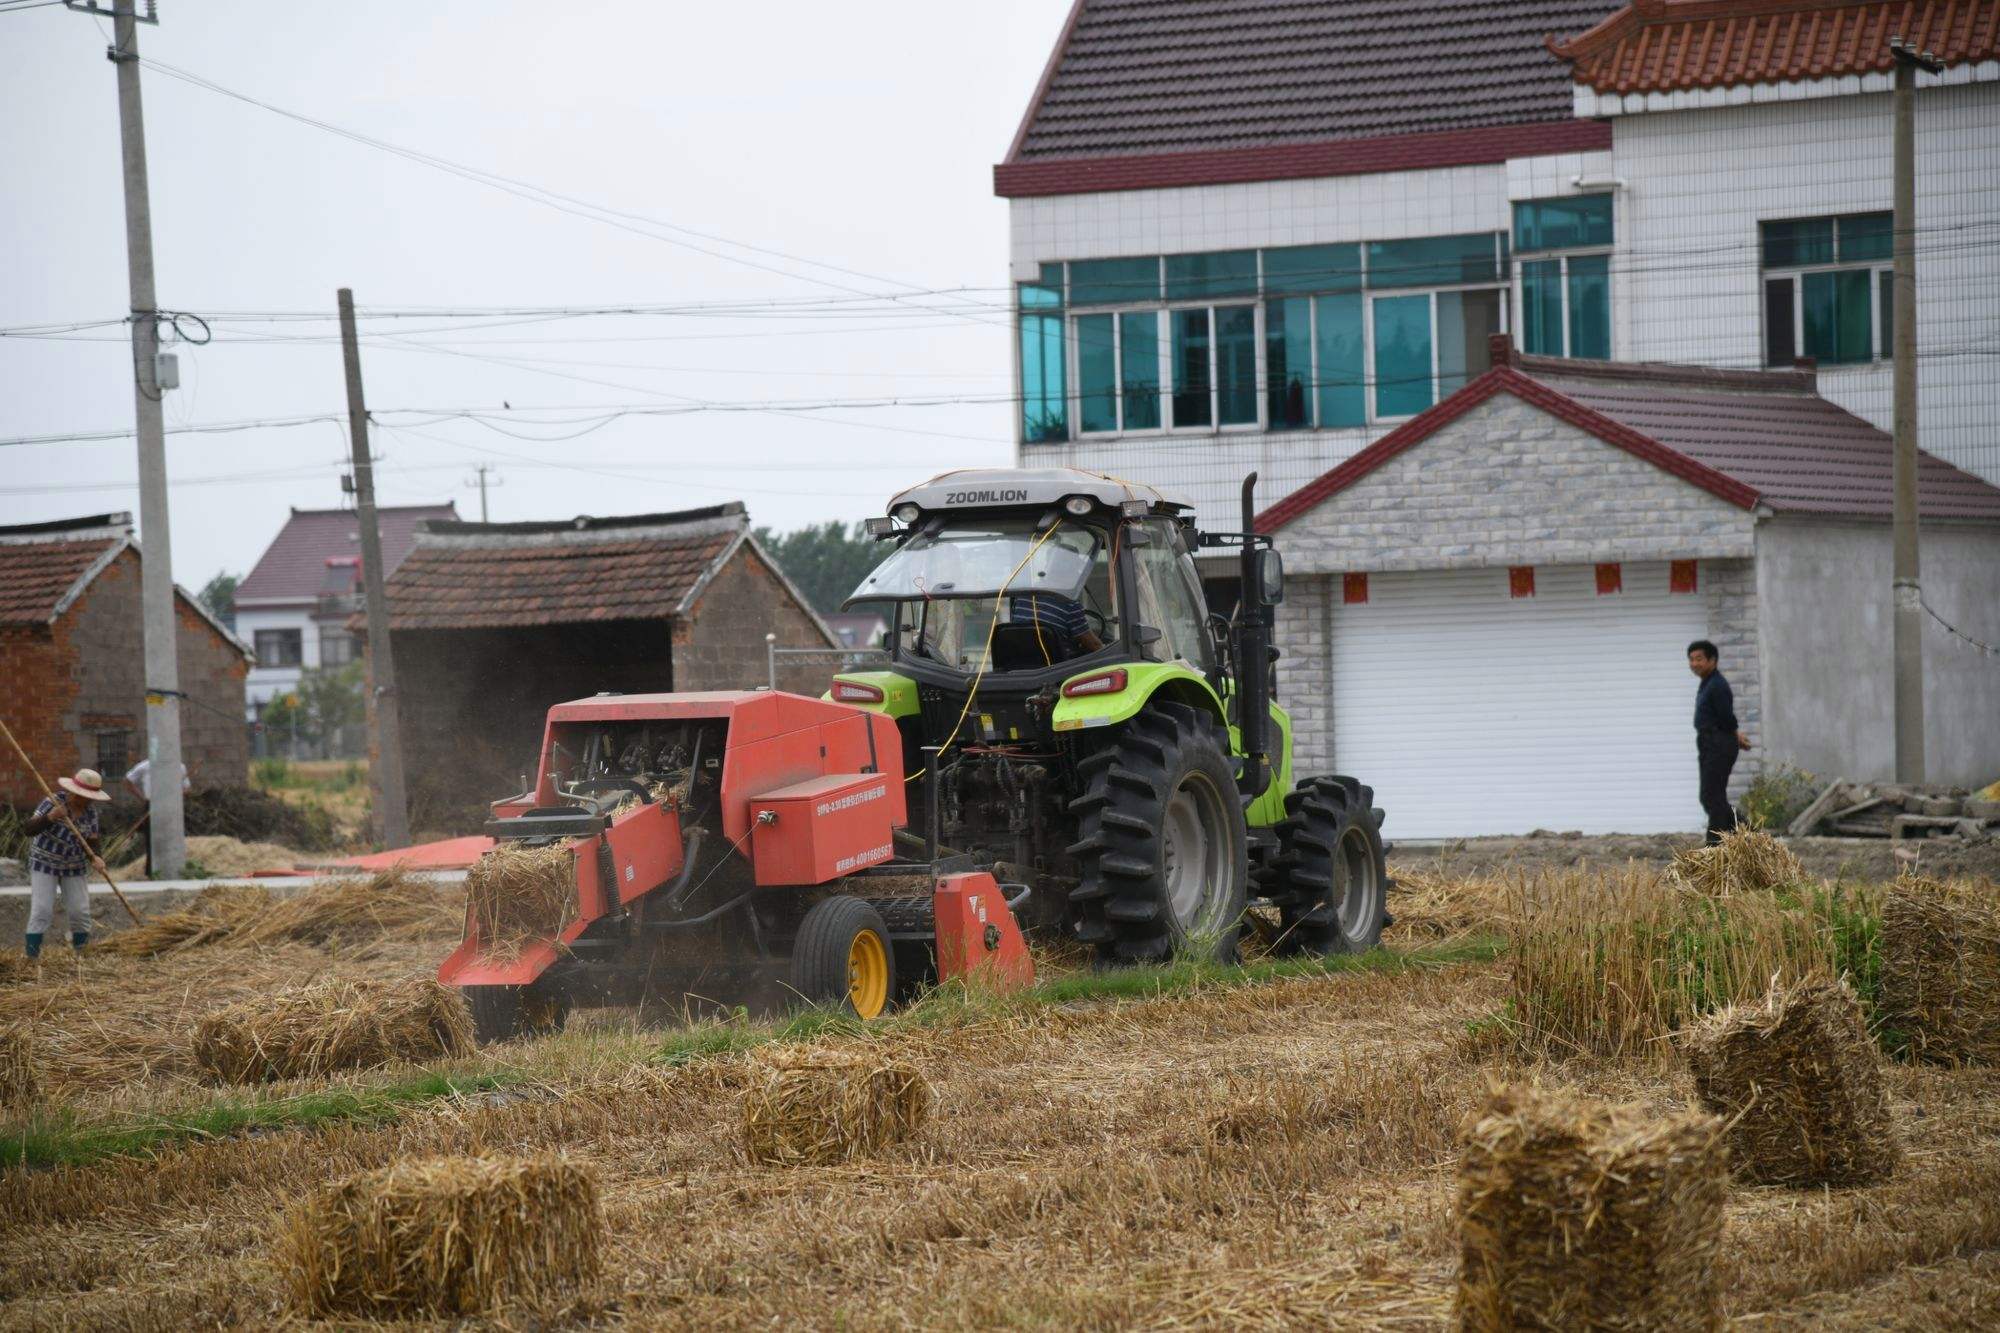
(1078, 505)
(906, 513)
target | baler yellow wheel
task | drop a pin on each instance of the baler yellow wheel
(842, 958)
(867, 974)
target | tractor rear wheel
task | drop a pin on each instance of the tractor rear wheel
(843, 958)
(1329, 880)
(1162, 845)
(502, 1013)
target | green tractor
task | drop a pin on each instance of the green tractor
(1075, 716)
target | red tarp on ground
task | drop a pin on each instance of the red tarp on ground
(451, 854)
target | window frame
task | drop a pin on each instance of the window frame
(1164, 311)
(1562, 258)
(1881, 349)
(279, 633)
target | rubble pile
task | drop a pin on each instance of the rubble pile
(1898, 810)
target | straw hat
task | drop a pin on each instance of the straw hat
(86, 784)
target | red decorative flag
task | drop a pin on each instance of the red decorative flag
(1521, 580)
(1353, 588)
(1610, 579)
(1683, 577)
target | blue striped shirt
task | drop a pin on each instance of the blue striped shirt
(55, 850)
(1055, 613)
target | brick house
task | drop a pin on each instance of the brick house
(293, 606)
(494, 622)
(72, 661)
(1487, 608)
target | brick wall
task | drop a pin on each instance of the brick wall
(68, 690)
(719, 644)
(1508, 484)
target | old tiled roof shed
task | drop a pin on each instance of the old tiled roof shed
(1664, 46)
(1148, 93)
(1757, 438)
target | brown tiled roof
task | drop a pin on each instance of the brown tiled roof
(1770, 430)
(35, 576)
(1749, 437)
(1668, 45)
(481, 575)
(1177, 76)
(293, 566)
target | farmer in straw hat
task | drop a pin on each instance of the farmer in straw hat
(63, 835)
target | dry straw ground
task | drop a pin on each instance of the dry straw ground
(1278, 1155)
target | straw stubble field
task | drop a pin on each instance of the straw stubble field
(1269, 1151)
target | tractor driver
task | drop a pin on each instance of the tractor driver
(1061, 618)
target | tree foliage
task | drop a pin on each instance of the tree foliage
(826, 560)
(327, 699)
(219, 596)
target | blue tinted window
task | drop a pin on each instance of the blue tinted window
(1797, 241)
(1036, 296)
(1191, 406)
(1096, 374)
(1236, 364)
(1342, 394)
(1044, 404)
(1838, 315)
(1434, 261)
(1562, 224)
(1139, 356)
(1402, 355)
(1288, 362)
(1590, 307)
(1306, 269)
(1114, 281)
(1541, 307)
(1866, 236)
(1223, 273)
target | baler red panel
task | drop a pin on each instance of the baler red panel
(645, 849)
(815, 831)
(977, 937)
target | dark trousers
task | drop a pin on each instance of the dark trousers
(146, 834)
(1716, 751)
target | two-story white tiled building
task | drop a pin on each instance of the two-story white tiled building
(1267, 236)
(1259, 236)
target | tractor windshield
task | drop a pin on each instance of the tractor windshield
(985, 558)
(1000, 594)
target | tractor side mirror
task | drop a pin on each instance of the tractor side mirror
(1270, 577)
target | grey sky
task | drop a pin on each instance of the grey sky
(859, 135)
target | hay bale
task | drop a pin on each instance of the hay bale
(1574, 1213)
(217, 912)
(1941, 971)
(1743, 862)
(20, 1084)
(330, 1026)
(519, 893)
(817, 1106)
(456, 1236)
(1799, 1080)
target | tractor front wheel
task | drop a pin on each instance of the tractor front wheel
(1329, 880)
(843, 958)
(1163, 848)
(502, 1013)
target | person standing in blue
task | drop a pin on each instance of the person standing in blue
(58, 858)
(1717, 738)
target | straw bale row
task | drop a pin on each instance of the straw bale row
(332, 1026)
(1941, 971)
(819, 1106)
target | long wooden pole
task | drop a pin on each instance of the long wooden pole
(62, 811)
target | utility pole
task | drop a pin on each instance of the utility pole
(156, 580)
(480, 472)
(1906, 588)
(392, 810)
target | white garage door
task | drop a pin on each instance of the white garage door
(1472, 711)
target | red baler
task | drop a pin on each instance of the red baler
(732, 848)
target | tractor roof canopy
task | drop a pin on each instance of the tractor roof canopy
(993, 488)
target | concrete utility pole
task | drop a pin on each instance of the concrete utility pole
(392, 810)
(156, 582)
(479, 473)
(1908, 591)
